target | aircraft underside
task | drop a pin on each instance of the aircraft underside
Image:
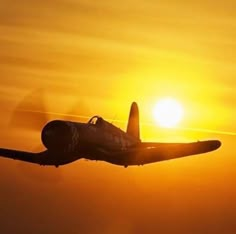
(142, 154)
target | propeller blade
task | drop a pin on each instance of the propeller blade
(80, 111)
(30, 113)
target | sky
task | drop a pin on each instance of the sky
(83, 57)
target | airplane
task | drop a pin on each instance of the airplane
(100, 140)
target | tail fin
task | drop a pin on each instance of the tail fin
(133, 122)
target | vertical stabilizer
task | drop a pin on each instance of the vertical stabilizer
(133, 122)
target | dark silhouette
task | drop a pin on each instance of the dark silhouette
(98, 139)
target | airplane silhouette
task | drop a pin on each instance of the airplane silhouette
(68, 141)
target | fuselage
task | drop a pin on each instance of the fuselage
(95, 140)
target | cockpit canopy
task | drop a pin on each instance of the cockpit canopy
(96, 120)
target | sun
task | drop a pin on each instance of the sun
(168, 112)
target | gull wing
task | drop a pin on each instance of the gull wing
(154, 152)
(23, 155)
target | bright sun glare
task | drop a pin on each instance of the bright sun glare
(168, 112)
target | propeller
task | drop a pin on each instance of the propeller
(30, 113)
(79, 111)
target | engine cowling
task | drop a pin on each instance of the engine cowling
(57, 136)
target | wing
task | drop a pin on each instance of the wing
(155, 152)
(23, 156)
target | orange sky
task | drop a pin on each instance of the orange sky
(96, 57)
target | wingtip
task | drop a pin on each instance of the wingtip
(215, 144)
(218, 144)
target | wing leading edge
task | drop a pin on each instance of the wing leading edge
(154, 152)
(23, 156)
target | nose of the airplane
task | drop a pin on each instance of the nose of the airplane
(56, 135)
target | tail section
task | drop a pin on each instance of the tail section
(133, 122)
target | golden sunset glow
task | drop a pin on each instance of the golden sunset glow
(96, 58)
(168, 112)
